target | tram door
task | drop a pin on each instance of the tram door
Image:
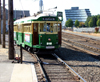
(59, 33)
(35, 33)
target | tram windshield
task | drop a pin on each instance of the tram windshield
(49, 27)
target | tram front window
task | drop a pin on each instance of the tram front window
(48, 27)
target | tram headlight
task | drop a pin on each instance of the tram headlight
(49, 39)
(41, 36)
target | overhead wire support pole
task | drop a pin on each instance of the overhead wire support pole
(4, 24)
(0, 21)
(10, 26)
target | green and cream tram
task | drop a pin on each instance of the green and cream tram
(41, 31)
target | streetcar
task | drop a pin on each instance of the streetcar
(41, 31)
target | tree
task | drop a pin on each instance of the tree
(76, 23)
(69, 23)
(81, 24)
(98, 22)
(94, 19)
(98, 17)
(86, 22)
(90, 23)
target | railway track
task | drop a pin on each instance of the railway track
(41, 77)
(50, 68)
(81, 43)
(57, 70)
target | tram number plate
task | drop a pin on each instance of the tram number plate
(49, 47)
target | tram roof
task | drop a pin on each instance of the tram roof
(35, 18)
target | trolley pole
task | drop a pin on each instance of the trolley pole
(10, 26)
(0, 21)
(4, 24)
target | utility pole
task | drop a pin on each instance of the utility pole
(4, 24)
(10, 26)
(0, 21)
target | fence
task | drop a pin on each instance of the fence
(85, 29)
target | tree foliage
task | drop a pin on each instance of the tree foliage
(90, 23)
(93, 19)
(81, 24)
(98, 17)
(98, 22)
(86, 22)
(69, 23)
(76, 23)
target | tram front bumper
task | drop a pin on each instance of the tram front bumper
(46, 47)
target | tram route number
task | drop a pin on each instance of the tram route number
(50, 47)
(59, 14)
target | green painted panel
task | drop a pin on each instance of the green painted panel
(15, 36)
(20, 38)
(44, 40)
(46, 18)
(47, 40)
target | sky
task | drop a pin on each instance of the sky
(33, 5)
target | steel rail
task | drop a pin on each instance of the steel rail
(69, 68)
(82, 44)
(39, 61)
(85, 50)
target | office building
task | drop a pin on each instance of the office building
(17, 14)
(76, 13)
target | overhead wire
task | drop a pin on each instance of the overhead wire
(22, 7)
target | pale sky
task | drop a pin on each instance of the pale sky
(33, 5)
(93, 5)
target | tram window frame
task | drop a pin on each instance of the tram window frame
(27, 28)
(51, 28)
(20, 28)
(15, 28)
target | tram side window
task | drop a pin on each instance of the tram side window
(15, 28)
(27, 28)
(20, 28)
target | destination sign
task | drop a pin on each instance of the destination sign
(59, 14)
(48, 19)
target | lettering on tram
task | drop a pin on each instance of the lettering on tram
(48, 19)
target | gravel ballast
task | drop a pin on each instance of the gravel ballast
(84, 64)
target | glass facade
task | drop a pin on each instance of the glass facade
(76, 13)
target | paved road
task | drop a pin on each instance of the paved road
(89, 36)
